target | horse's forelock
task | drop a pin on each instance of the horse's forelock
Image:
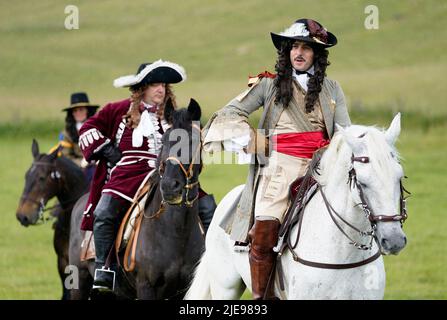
(381, 153)
(182, 119)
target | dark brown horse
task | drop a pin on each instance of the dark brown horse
(51, 176)
(170, 242)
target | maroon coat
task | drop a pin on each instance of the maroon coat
(108, 126)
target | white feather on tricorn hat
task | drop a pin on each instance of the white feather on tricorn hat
(306, 30)
(157, 72)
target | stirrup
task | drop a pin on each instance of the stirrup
(106, 271)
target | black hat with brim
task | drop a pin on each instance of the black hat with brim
(80, 99)
(306, 30)
(157, 72)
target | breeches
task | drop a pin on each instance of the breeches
(272, 196)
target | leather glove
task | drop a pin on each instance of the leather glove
(112, 154)
(258, 144)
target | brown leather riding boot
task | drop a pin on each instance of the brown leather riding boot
(263, 237)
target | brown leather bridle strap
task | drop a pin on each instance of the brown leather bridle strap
(189, 173)
(332, 212)
(367, 209)
(335, 265)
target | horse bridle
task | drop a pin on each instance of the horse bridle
(41, 203)
(188, 173)
(367, 209)
(373, 219)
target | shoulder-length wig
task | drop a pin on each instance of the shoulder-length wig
(133, 116)
(284, 69)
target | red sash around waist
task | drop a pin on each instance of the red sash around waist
(301, 145)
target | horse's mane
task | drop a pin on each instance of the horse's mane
(337, 158)
(70, 165)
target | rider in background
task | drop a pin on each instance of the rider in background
(77, 113)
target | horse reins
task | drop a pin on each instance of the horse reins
(332, 213)
(41, 203)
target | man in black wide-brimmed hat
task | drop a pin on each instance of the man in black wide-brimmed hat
(77, 113)
(301, 107)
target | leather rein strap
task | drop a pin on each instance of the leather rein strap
(332, 213)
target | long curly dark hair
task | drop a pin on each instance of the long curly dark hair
(283, 80)
(70, 123)
(133, 116)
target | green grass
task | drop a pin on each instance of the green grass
(28, 262)
(400, 67)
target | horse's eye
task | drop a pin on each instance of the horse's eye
(41, 178)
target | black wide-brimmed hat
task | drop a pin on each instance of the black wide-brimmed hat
(80, 99)
(157, 72)
(306, 30)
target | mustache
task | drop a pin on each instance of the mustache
(299, 58)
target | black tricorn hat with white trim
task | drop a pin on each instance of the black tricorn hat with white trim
(157, 72)
(80, 99)
(306, 30)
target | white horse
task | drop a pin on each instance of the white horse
(367, 157)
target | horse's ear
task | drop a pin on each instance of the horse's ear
(349, 138)
(35, 149)
(194, 110)
(393, 131)
(169, 111)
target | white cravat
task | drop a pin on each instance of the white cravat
(79, 125)
(144, 129)
(303, 78)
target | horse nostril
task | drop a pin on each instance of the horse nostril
(405, 240)
(175, 186)
(384, 243)
(23, 219)
(172, 185)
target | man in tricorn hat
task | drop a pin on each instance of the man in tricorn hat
(301, 107)
(132, 128)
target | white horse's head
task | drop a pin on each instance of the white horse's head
(378, 174)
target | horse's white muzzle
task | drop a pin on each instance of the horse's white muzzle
(390, 237)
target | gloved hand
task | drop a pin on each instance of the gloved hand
(258, 143)
(112, 154)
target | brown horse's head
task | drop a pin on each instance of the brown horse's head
(180, 157)
(41, 183)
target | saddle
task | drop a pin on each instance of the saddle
(129, 227)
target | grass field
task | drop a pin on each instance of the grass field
(399, 67)
(28, 262)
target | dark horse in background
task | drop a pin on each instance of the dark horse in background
(51, 176)
(170, 241)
